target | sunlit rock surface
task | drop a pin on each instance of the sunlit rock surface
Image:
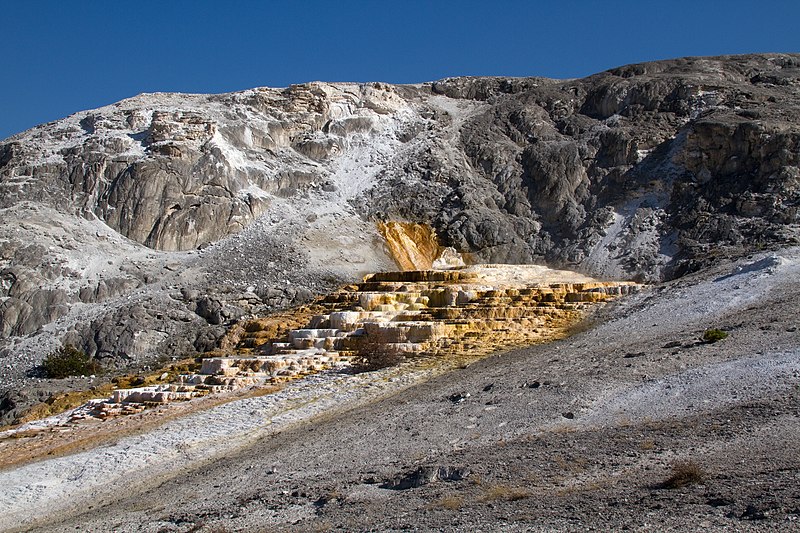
(144, 229)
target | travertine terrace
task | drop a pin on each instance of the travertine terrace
(457, 313)
(471, 311)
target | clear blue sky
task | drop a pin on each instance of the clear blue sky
(63, 56)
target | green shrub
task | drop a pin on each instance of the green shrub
(68, 361)
(714, 335)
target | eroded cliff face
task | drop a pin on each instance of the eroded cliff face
(641, 171)
(143, 228)
(175, 171)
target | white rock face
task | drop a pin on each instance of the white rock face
(159, 173)
(175, 171)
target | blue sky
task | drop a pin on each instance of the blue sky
(63, 56)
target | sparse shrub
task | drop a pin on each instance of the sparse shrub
(647, 444)
(505, 492)
(452, 503)
(69, 361)
(714, 335)
(371, 355)
(684, 473)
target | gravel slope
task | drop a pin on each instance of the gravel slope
(572, 435)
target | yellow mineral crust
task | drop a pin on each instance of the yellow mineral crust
(412, 246)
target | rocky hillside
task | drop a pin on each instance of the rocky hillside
(141, 229)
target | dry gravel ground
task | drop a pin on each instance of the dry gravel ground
(575, 435)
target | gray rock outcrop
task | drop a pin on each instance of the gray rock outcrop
(141, 229)
(642, 171)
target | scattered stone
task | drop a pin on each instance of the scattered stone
(719, 501)
(459, 397)
(425, 475)
(753, 513)
(631, 355)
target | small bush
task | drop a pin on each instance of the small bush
(451, 503)
(373, 355)
(505, 492)
(68, 361)
(714, 335)
(647, 444)
(684, 473)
